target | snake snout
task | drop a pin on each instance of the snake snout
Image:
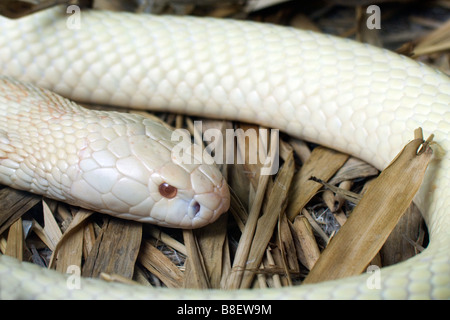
(208, 206)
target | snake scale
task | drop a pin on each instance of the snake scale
(352, 97)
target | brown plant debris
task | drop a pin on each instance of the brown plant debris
(279, 227)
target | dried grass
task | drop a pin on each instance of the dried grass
(278, 228)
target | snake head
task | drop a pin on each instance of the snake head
(186, 194)
(135, 176)
(189, 199)
(191, 187)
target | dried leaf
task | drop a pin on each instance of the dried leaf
(14, 247)
(161, 266)
(195, 274)
(307, 249)
(13, 204)
(115, 250)
(323, 163)
(276, 204)
(51, 229)
(375, 216)
(243, 249)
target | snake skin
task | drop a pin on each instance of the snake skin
(110, 162)
(339, 93)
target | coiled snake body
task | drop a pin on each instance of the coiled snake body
(352, 97)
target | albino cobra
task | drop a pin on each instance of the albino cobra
(339, 93)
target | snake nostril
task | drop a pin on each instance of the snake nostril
(195, 208)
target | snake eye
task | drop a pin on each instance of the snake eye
(167, 191)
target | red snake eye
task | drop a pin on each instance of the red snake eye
(167, 191)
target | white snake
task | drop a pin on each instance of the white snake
(352, 97)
